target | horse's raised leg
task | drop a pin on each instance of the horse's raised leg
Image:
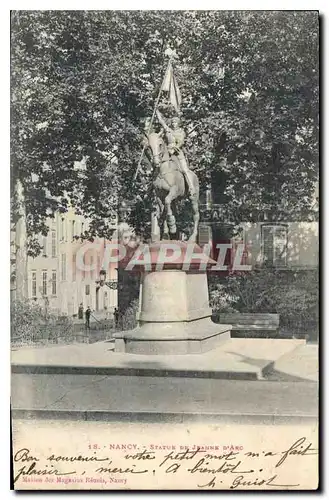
(171, 220)
(196, 218)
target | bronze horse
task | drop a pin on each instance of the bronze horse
(170, 185)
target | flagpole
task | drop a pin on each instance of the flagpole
(153, 116)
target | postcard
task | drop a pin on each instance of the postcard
(164, 250)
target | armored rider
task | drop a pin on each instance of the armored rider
(175, 139)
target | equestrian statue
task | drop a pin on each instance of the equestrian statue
(174, 179)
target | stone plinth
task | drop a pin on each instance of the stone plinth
(174, 315)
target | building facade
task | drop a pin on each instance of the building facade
(56, 278)
(277, 244)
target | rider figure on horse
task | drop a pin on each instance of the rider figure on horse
(175, 140)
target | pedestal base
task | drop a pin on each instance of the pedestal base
(174, 315)
(193, 337)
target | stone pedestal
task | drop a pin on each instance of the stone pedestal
(174, 315)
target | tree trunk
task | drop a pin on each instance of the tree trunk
(21, 247)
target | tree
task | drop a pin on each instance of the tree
(83, 81)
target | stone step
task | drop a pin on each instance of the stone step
(247, 359)
(130, 398)
(249, 380)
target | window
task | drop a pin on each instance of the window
(34, 284)
(74, 267)
(92, 267)
(218, 187)
(82, 227)
(208, 198)
(274, 245)
(87, 289)
(62, 229)
(73, 229)
(205, 198)
(63, 266)
(54, 283)
(44, 246)
(53, 244)
(84, 263)
(105, 300)
(44, 283)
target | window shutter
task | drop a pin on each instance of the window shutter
(280, 246)
(205, 234)
(274, 245)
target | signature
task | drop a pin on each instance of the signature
(240, 481)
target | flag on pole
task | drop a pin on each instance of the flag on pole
(170, 85)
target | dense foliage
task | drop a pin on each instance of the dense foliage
(83, 81)
(292, 294)
(128, 319)
(31, 323)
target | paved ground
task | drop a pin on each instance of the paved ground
(301, 363)
(237, 358)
